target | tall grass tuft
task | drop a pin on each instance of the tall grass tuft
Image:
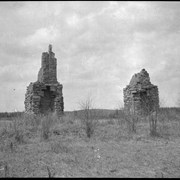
(19, 130)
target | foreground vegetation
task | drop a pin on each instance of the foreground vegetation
(90, 143)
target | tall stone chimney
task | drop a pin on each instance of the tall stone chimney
(45, 95)
(48, 71)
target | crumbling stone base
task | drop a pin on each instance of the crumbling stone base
(43, 98)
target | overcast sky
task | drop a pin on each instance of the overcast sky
(98, 46)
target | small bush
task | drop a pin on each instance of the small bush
(89, 128)
(18, 130)
(47, 123)
(69, 118)
(129, 120)
(153, 118)
(88, 116)
(60, 147)
(110, 121)
(13, 133)
(5, 169)
(50, 173)
(88, 122)
(112, 115)
(33, 122)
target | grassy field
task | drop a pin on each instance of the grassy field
(52, 147)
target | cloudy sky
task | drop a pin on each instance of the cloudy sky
(98, 46)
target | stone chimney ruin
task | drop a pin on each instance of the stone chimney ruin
(140, 96)
(45, 95)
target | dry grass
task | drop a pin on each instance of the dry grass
(59, 147)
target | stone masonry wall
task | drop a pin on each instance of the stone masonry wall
(45, 95)
(140, 96)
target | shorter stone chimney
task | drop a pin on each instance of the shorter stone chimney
(140, 96)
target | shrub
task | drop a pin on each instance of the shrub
(153, 123)
(128, 119)
(88, 117)
(18, 130)
(50, 174)
(59, 147)
(47, 123)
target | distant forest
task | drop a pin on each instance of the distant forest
(10, 114)
(110, 113)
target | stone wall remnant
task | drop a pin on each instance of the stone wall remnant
(140, 96)
(45, 95)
